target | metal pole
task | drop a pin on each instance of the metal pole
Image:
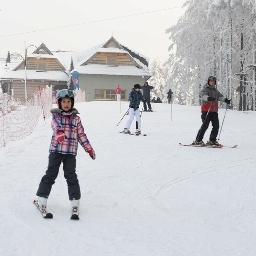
(25, 69)
(254, 89)
(221, 58)
(254, 72)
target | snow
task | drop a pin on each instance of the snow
(112, 70)
(35, 74)
(41, 56)
(142, 195)
(10, 66)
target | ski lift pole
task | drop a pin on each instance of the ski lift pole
(123, 117)
(223, 121)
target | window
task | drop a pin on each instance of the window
(110, 94)
(99, 94)
(107, 94)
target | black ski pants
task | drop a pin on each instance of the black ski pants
(147, 104)
(206, 119)
(69, 167)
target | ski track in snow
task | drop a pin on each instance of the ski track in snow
(142, 195)
(195, 174)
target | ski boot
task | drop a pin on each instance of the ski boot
(41, 204)
(138, 132)
(74, 210)
(213, 143)
(126, 131)
(198, 143)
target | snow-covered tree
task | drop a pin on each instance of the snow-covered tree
(159, 79)
(215, 37)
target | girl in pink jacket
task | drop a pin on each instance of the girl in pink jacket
(67, 132)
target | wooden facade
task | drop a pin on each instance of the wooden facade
(109, 58)
(17, 87)
(41, 63)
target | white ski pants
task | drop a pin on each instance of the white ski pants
(133, 113)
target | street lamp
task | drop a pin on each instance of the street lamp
(25, 68)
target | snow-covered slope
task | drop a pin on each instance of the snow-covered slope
(142, 196)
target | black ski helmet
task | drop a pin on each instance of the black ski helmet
(212, 78)
(137, 86)
(65, 93)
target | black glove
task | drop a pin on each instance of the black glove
(211, 98)
(228, 101)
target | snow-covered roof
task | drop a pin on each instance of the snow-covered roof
(41, 56)
(138, 56)
(86, 55)
(99, 69)
(9, 66)
(34, 75)
(65, 57)
(81, 57)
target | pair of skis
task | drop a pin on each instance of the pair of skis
(48, 215)
(131, 133)
(208, 146)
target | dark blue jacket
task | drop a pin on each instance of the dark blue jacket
(146, 88)
(135, 97)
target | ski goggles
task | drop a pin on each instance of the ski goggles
(65, 93)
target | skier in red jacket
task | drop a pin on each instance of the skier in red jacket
(209, 108)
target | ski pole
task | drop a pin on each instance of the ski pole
(122, 117)
(171, 109)
(223, 121)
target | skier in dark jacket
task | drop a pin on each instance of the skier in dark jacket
(135, 97)
(209, 108)
(146, 88)
(169, 96)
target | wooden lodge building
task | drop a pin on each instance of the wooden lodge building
(42, 69)
(111, 64)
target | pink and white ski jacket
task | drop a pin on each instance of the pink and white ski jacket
(70, 124)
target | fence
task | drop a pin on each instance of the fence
(80, 96)
(17, 120)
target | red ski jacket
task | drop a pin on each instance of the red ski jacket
(211, 106)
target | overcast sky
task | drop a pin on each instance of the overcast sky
(98, 20)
